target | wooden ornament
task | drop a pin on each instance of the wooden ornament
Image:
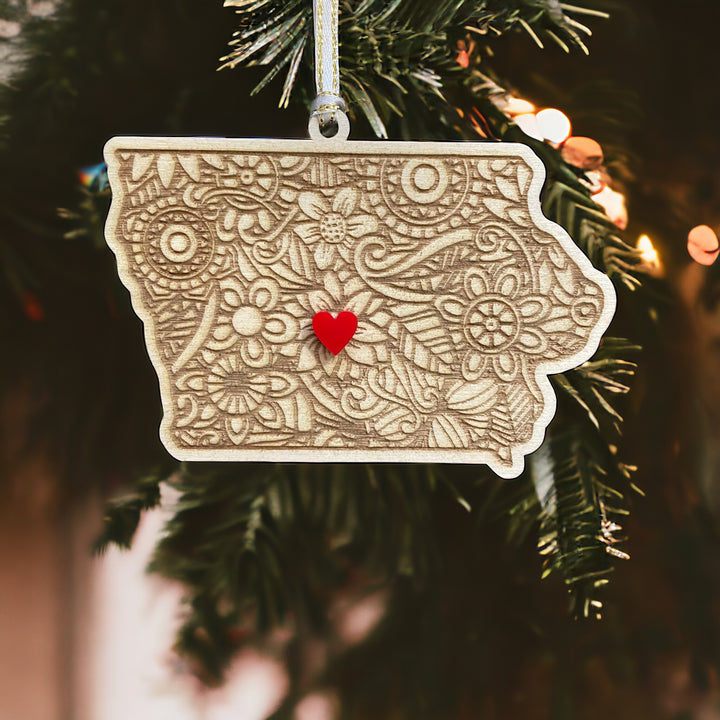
(465, 296)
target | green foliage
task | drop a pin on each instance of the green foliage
(568, 203)
(87, 220)
(581, 509)
(575, 485)
(123, 513)
(263, 545)
(398, 55)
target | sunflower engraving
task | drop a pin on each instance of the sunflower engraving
(333, 225)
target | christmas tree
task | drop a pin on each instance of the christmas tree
(455, 557)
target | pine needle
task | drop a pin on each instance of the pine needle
(531, 33)
(585, 11)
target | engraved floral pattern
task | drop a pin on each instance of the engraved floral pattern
(250, 322)
(335, 225)
(466, 299)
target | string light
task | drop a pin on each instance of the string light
(703, 245)
(583, 153)
(554, 125)
(517, 106)
(649, 255)
(594, 181)
(529, 125)
(613, 203)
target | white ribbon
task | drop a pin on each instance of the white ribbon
(327, 104)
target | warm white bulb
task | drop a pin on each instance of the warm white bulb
(317, 706)
(553, 125)
(529, 125)
(517, 106)
(648, 252)
(614, 205)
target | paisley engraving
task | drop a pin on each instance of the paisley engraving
(466, 297)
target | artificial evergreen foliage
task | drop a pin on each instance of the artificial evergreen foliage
(398, 57)
(234, 545)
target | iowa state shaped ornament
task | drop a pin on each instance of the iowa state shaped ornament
(319, 301)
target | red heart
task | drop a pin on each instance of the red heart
(334, 333)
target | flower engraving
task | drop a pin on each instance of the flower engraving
(232, 389)
(491, 324)
(334, 225)
(243, 400)
(174, 247)
(501, 322)
(255, 174)
(251, 322)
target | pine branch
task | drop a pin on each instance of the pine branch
(251, 543)
(578, 533)
(259, 545)
(573, 490)
(122, 515)
(394, 52)
(579, 479)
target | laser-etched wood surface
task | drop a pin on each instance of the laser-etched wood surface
(466, 297)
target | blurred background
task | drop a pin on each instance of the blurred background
(474, 634)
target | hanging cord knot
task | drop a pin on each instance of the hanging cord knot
(327, 103)
(328, 108)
